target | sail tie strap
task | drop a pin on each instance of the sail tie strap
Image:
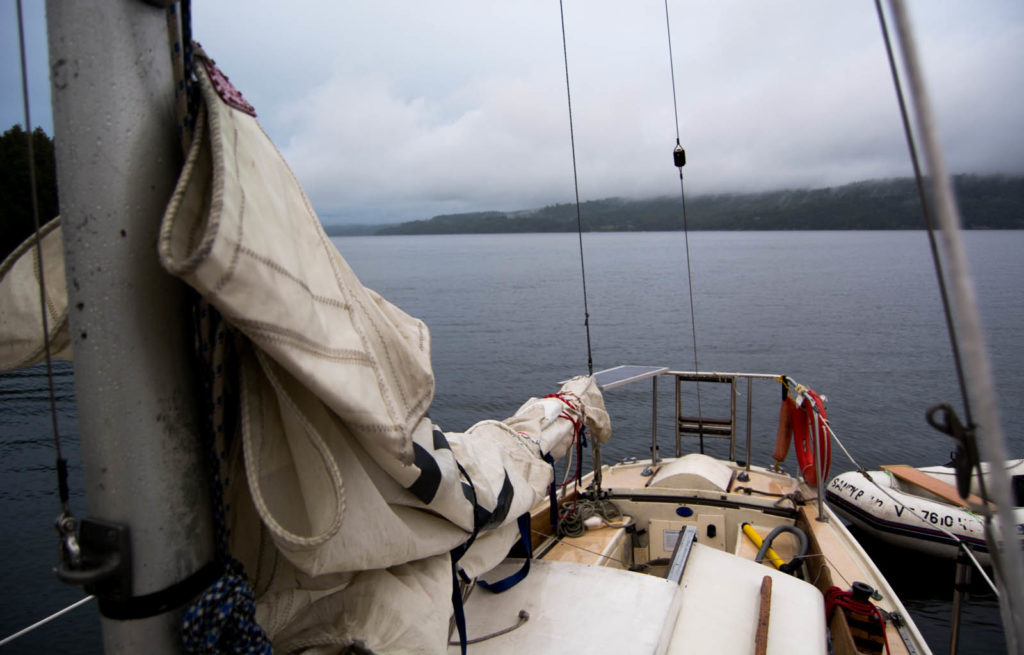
(552, 492)
(512, 580)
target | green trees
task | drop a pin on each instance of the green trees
(15, 193)
(986, 202)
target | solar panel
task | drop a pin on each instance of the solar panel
(620, 375)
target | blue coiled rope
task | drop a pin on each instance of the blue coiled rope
(223, 618)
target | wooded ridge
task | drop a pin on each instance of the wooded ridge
(986, 202)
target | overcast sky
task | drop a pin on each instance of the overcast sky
(391, 110)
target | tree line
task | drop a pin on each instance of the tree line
(986, 202)
(15, 194)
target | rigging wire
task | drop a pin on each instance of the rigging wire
(680, 160)
(594, 443)
(65, 522)
(1007, 562)
(576, 187)
(38, 624)
(926, 211)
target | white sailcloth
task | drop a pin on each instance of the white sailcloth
(21, 322)
(352, 500)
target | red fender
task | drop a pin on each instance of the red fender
(803, 432)
(784, 433)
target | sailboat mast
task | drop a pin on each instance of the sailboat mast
(118, 156)
(991, 442)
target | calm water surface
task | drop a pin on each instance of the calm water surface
(855, 315)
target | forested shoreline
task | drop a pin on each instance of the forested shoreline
(986, 202)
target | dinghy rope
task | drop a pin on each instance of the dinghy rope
(798, 389)
(960, 543)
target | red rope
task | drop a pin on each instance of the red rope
(577, 427)
(836, 597)
(577, 424)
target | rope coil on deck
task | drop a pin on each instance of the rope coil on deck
(572, 516)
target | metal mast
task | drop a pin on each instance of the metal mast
(992, 442)
(118, 157)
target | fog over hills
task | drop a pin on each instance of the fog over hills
(986, 202)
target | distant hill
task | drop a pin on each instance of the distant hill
(986, 202)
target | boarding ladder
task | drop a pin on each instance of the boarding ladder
(704, 426)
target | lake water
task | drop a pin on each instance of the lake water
(855, 315)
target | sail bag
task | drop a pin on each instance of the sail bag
(346, 502)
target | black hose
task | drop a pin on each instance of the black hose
(767, 543)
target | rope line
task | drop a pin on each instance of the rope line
(672, 71)
(686, 230)
(1007, 562)
(65, 523)
(576, 187)
(926, 212)
(954, 341)
(595, 444)
(61, 462)
(860, 469)
(223, 618)
(571, 515)
(836, 597)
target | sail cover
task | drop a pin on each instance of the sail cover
(346, 502)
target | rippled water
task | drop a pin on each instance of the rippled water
(855, 315)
